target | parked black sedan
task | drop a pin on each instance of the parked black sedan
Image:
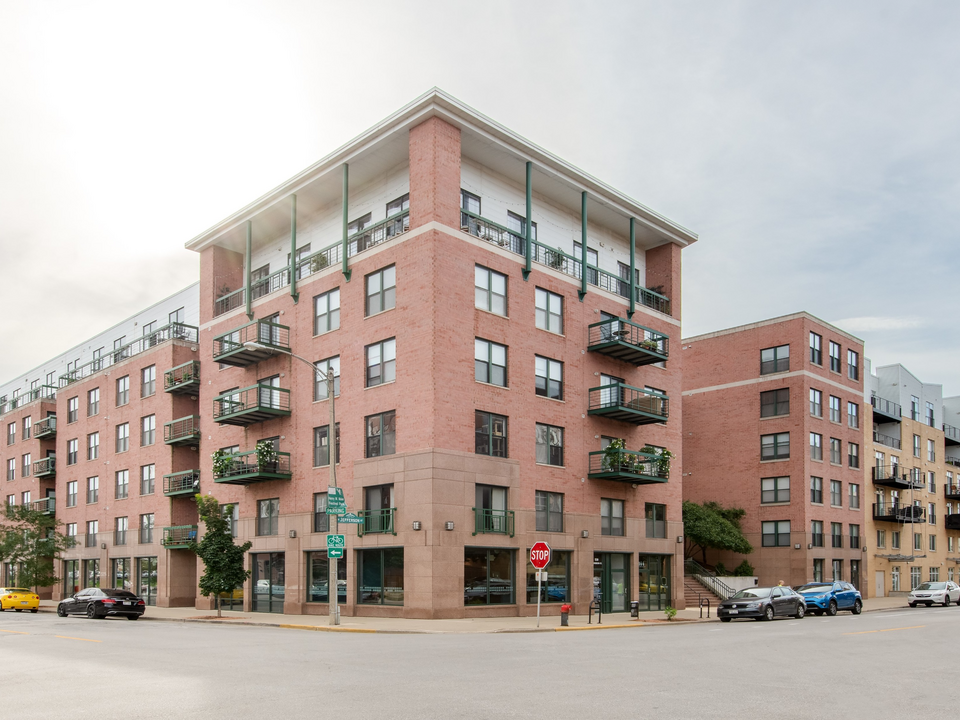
(101, 602)
(763, 604)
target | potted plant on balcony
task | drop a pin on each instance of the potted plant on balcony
(661, 464)
(650, 344)
(318, 262)
(614, 457)
(266, 455)
(555, 259)
(221, 463)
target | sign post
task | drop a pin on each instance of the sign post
(539, 558)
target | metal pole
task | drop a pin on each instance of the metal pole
(633, 266)
(529, 224)
(583, 244)
(333, 587)
(346, 211)
(249, 259)
(539, 579)
(293, 249)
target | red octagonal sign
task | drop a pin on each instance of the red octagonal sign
(540, 555)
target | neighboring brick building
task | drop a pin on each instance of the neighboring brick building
(773, 424)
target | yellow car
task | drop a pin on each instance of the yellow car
(19, 599)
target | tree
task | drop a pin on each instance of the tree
(222, 559)
(31, 541)
(711, 525)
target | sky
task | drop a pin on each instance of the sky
(814, 147)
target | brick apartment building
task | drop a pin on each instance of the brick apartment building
(773, 424)
(494, 318)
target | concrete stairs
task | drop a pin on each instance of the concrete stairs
(693, 591)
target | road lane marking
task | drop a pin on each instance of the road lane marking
(14, 632)
(67, 637)
(867, 632)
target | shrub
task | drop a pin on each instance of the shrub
(744, 569)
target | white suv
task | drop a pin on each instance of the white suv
(929, 593)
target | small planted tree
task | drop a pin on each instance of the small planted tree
(222, 558)
(31, 541)
(711, 525)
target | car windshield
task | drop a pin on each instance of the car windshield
(17, 590)
(752, 593)
(931, 586)
(816, 588)
(119, 593)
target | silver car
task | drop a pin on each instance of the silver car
(929, 593)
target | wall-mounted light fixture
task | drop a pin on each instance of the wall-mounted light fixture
(797, 546)
(584, 533)
(448, 524)
(293, 533)
(103, 546)
(679, 539)
(416, 524)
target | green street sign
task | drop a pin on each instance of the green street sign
(336, 504)
(336, 542)
(350, 519)
(334, 553)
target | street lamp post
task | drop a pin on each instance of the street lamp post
(332, 587)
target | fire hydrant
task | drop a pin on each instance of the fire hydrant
(565, 615)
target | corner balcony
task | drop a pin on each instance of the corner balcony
(377, 522)
(186, 483)
(177, 536)
(45, 428)
(45, 467)
(244, 469)
(231, 349)
(891, 476)
(887, 440)
(624, 340)
(951, 435)
(493, 522)
(47, 505)
(628, 404)
(884, 410)
(894, 512)
(183, 431)
(628, 466)
(951, 492)
(183, 379)
(251, 405)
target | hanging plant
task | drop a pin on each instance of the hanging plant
(221, 463)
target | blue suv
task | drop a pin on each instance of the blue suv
(829, 597)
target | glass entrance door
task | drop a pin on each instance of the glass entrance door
(268, 582)
(147, 579)
(611, 581)
(654, 572)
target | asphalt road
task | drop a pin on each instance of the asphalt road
(877, 665)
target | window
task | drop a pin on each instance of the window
(775, 359)
(93, 527)
(72, 448)
(816, 533)
(123, 390)
(834, 356)
(549, 311)
(854, 496)
(490, 510)
(656, 517)
(491, 434)
(853, 365)
(836, 535)
(318, 578)
(835, 451)
(775, 402)
(895, 539)
(549, 445)
(123, 437)
(93, 446)
(148, 430)
(489, 362)
(932, 513)
(931, 451)
(93, 402)
(72, 493)
(12, 500)
(25, 465)
(549, 507)
(93, 490)
(231, 512)
(816, 403)
(321, 445)
(268, 516)
(816, 354)
(359, 224)
(146, 528)
(148, 476)
(834, 409)
(326, 312)
(775, 490)
(818, 570)
(122, 484)
(775, 447)
(381, 362)
(320, 387)
(27, 427)
(611, 517)
(915, 408)
(881, 538)
(837, 570)
(380, 576)
(915, 578)
(490, 290)
(321, 521)
(930, 417)
(517, 225)
(120, 531)
(381, 434)
(916, 446)
(593, 260)
(148, 381)
(25, 498)
(917, 541)
(853, 415)
(816, 490)
(469, 202)
(549, 377)
(381, 290)
(836, 493)
(934, 571)
(853, 455)
(73, 410)
(555, 589)
(931, 481)
(775, 533)
(12, 469)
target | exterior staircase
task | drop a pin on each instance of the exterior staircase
(693, 591)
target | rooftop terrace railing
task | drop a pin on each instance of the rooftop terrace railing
(885, 407)
(43, 392)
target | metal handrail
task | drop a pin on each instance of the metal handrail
(709, 580)
(43, 392)
(631, 461)
(246, 463)
(951, 432)
(497, 522)
(180, 428)
(187, 372)
(180, 481)
(634, 398)
(621, 330)
(262, 332)
(256, 396)
(178, 534)
(887, 407)
(377, 521)
(887, 440)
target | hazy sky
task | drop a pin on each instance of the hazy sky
(815, 147)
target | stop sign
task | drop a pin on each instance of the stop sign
(540, 555)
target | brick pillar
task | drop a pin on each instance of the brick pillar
(220, 269)
(434, 173)
(663, 269)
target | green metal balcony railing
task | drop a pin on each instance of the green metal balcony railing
(182, 431)
(496, 522)
(173, 331)
(183, 379)
(43, 392)
(378, 233)
(45, 467)
(177, 537)
(45, 427)
(244, 469)
(628, 341)
(47, 505)
(231, 349)
(251, 405)
(628, 404)
(182, 483)
(229, 301)
(377, 522)
(638, 468)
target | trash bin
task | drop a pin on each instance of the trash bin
(635, 609)
(565, 615)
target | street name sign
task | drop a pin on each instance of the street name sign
(350, 519)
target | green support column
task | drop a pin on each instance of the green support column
(583, 245)
(346, 210)
(246, 261)
(529, 224)
(633, 268)
(293, 249)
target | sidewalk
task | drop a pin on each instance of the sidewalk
(462, 626)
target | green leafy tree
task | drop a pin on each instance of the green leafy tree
(711, 525)
(222, 559)
(31, 540)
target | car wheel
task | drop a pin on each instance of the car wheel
(91, 612)
(958, 600)
(929, 604)
(832, 608)
(857, 607)
(912, 604)
(768, 613)
(725, 619)
(61, 611)
(35, 610)
(946, 600)
(133, 617)
(18, 609)
(801, 611)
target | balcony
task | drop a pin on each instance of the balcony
(47, 505)
(380, 232)
(627, 341)
(183, 379)
(495, 522)
(894, 512)
(251, 405)
(951, 492)
(952, 522)
(43, 392)
(186, 483)
(183, 431)
(245, 469)
(628, 404)
(884, 410)
(45, 467)
(891, 476)
(45, 428)
(177, 537)
(887, 440)
(951, 435)
(377, 522)
(637, 468)
(231, 349)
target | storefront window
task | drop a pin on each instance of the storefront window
(71, 577)
(318, 578)
(488, 577)
(556, 589)
(147, 579)
(91, 573)
(380, 574)
(654, 573)
(120, 573)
